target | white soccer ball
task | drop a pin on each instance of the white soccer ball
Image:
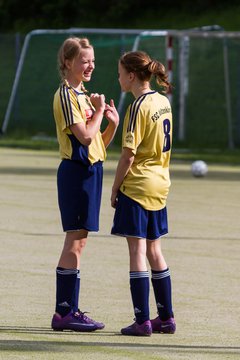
(199, 168)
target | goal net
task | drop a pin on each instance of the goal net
(203, 65)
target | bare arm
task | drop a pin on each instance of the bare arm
(124, 164)
(112, 116)
(86, 132)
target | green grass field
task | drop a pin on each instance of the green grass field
(202, 250)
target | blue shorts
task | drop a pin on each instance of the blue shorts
(79, 195)
(132, 220)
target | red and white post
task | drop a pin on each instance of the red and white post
(169, 56)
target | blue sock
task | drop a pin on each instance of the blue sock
(139, 286)
(75, 297)
(66, 283)
(161, 282)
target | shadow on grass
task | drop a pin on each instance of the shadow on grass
(7, 170)
(214, 175)
(45, 331)
(66, 346)
(101, 235)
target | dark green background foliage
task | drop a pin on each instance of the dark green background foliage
(26, 15)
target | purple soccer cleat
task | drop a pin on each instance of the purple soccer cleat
(166, 327)
(76, 322)
(135, 329)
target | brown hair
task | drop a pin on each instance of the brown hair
(71, 48)
(145, 68)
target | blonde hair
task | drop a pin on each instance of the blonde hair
(70, 49)
(145, 68)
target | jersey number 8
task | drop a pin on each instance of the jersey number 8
(167, 135)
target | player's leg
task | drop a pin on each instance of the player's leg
(161, 282)
(68, 316)
(130, 222)
(139, 279)
(68, 271)
(139, 287)
(75, 242)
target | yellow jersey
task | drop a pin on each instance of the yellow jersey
(147, 131)
(71, 107)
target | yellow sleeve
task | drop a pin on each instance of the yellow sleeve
(70, 108)
(133, 130)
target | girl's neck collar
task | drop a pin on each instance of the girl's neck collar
(78, 89)
(139, 91)
(149, 91)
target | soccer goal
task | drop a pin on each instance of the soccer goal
(203, 66)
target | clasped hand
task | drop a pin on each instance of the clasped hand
(98, 101)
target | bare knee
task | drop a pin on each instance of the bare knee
(74, 245)
(153, 250)
(137, 252)
(81, 245)
(155, 256)
(75, 242)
